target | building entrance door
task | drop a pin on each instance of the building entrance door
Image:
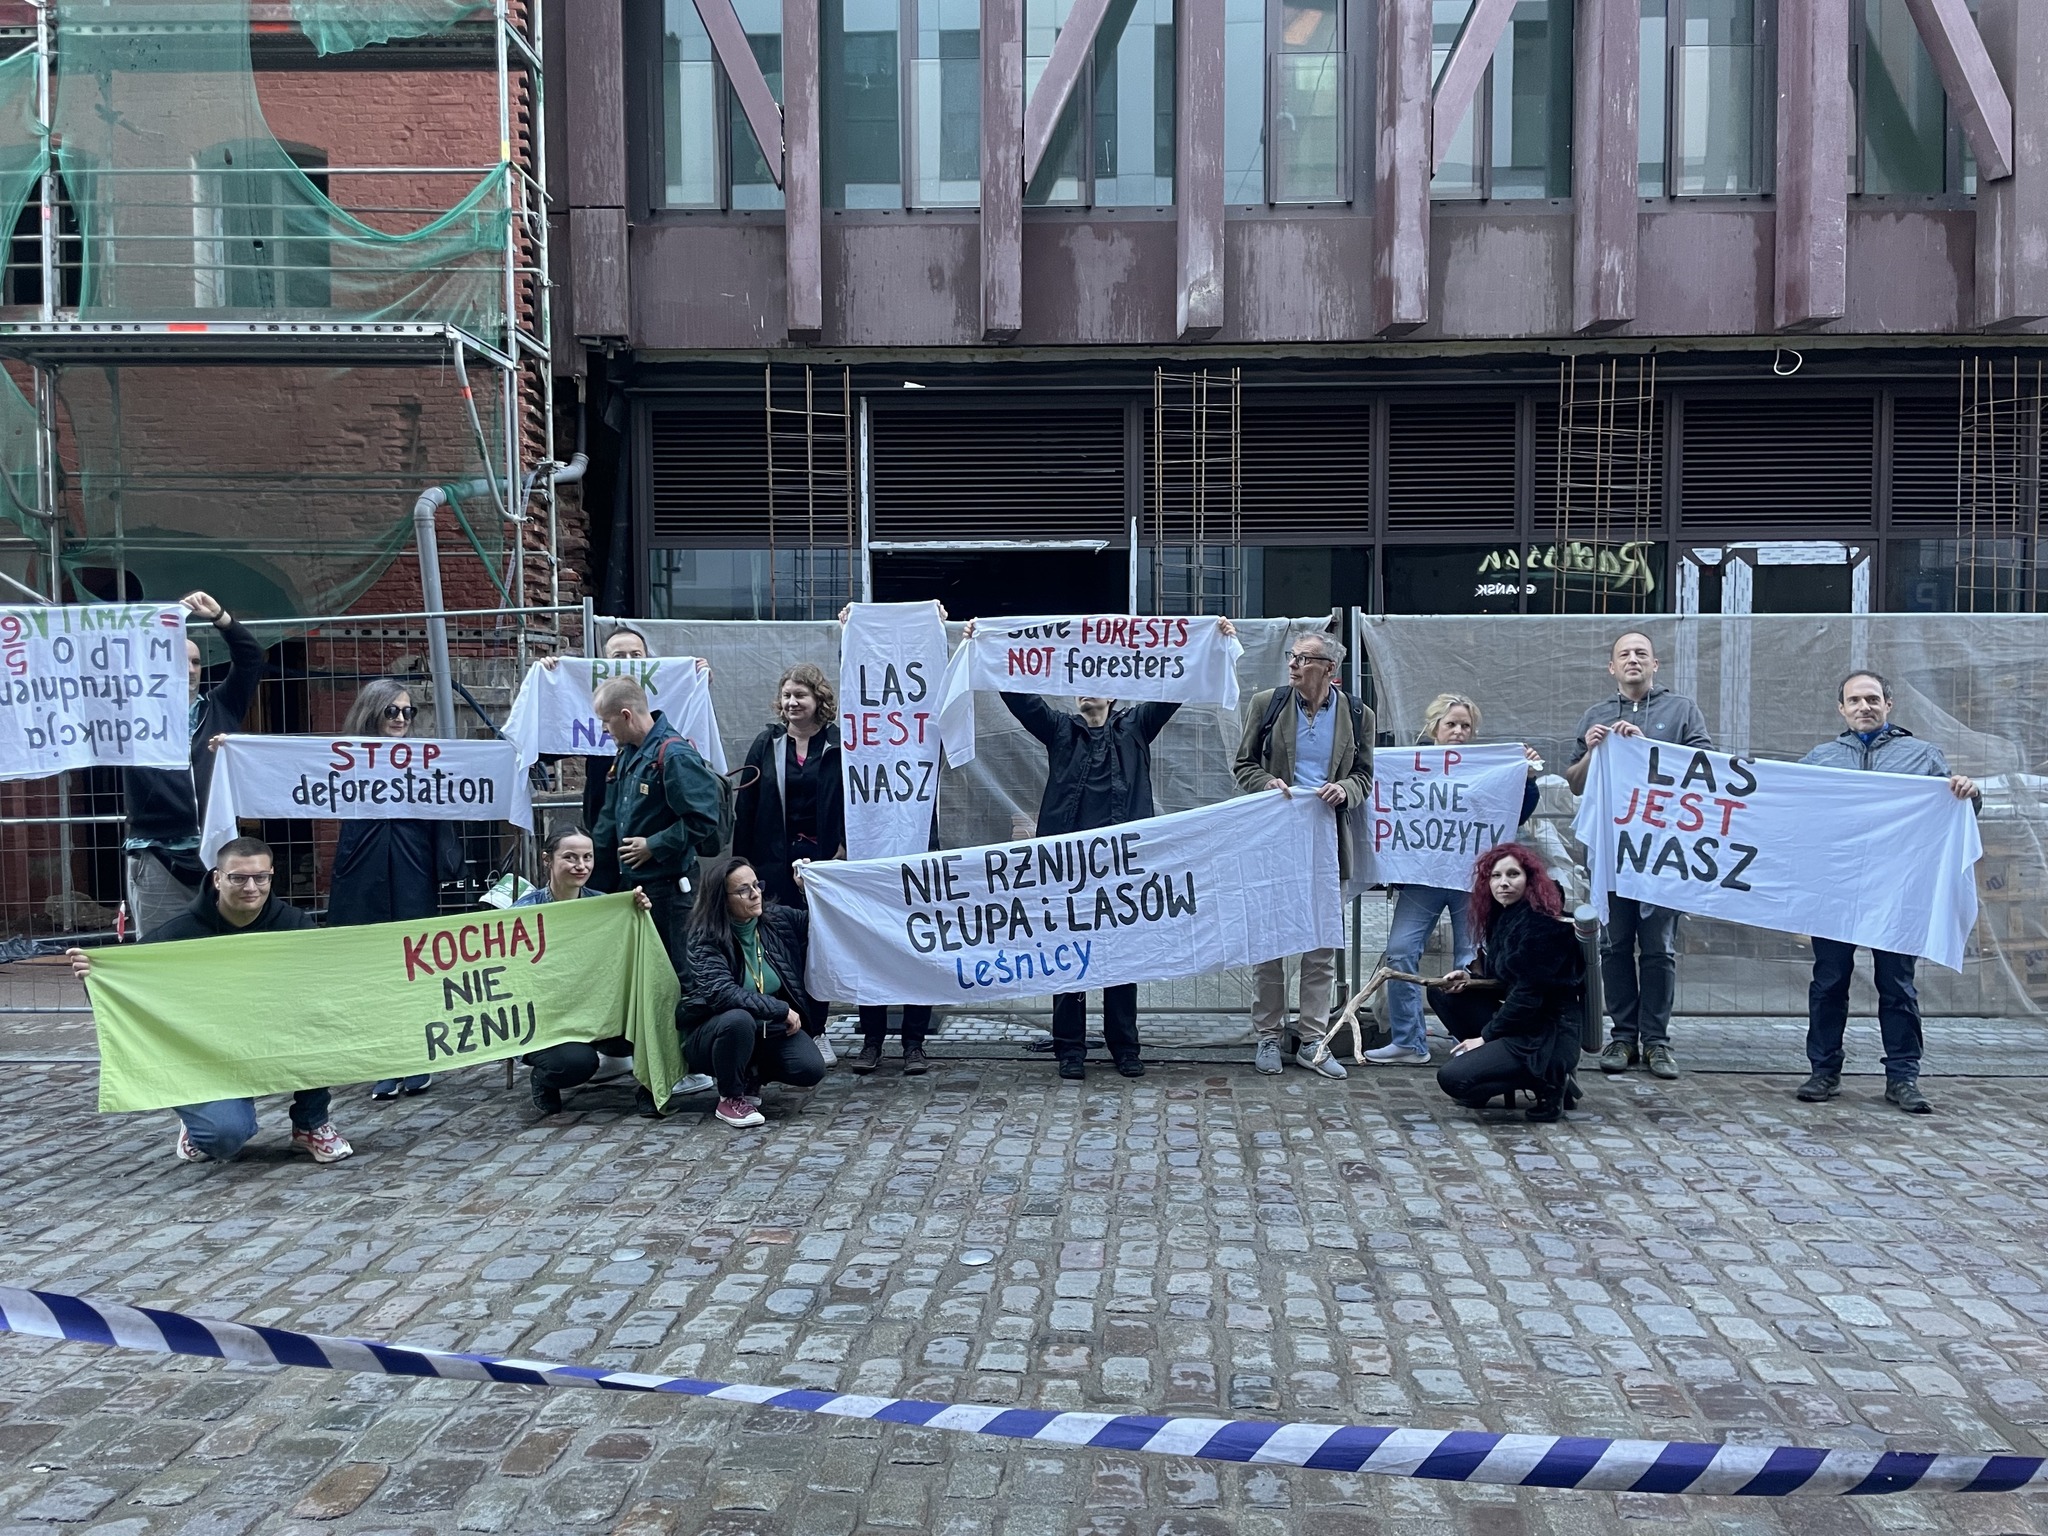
(1791, 576)
(997, 583)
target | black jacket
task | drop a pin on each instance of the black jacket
(718, 976)
(759, 832)
(164, 804)
(1070, 742)
(202, 920)
(390, 871)
(1539, 961)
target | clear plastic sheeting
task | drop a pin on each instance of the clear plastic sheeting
(190, 207)
(996, 796)
(21, 166)
(1976, 685)
(341, 26)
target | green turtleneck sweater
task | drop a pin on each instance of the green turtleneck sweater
(761, 976)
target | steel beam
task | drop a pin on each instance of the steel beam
(1485, 25)
(1812, 237)
(743, 73)
(803, 215)
(2012, 213)
(1062, 73)
(1401, 161)
(1002, 169)
(1198, 171)
(1967, 75)
(1607, 93)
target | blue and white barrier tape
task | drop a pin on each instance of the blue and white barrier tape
(1460, 1456)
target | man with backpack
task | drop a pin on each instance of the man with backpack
(1311, 736)
(663, 807)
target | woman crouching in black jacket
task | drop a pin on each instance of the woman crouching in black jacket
(743, 1021)
(1523, 1030)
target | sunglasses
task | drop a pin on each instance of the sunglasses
(400, 711)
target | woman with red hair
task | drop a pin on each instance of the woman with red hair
(1516, 1013)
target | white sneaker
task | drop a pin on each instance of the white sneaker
(612, 1068)
(696, 1082)
(1398, 1056)
(186, 1152)
(1329, 1066)
(825, 1050)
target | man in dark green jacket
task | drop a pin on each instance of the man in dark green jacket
(661, 808)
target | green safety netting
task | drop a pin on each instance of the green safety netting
(339, 26)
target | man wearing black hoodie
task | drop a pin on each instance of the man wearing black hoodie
(238, 899)
(164, 804)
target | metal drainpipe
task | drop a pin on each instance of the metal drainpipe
(424, 514)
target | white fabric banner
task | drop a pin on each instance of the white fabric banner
(1886, 860)
(552, 712)
(1108, 656)
(362, 779)
(1436, 809)
(892, 660)
(89, 687)
(1250, 879)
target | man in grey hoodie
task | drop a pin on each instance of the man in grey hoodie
(1639, 945)
(1874, 745)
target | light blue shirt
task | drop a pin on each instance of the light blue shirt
(1315, 738)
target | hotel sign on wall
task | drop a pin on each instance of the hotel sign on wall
(1623, 567)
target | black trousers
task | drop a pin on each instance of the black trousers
(671, 910)
(731, 1048)
(917, 1023)
(1465, 1013)
(1490, 1070)
(1119, 1023)
(575, 1062)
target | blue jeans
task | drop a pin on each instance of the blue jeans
(1415, 915)
(1639, 969)
(1827, 1009)
(224, 1127)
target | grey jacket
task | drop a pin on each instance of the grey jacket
(1660, 715)
(1893, 750)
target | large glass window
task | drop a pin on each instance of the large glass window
(861, 138)
(1904, 142)
(1244, 101)
(1516, 142)
(1125, 99)
(946, 105)
(747, 583)
(1707, 126)
(1962, 576)
(1285, 112)
(709, 157)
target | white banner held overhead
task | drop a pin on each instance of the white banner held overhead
(1885, 860)
(98, 686)
(1232, 884)
(375, 778)
(552, 712)
(1436, 809)
(892, 659)
(1129, 658)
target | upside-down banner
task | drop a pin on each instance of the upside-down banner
(93, 686)
(351, 1005)
(552, 712)
(1885, 860)
(372, 778)
(1251, 879)
(1114, 655)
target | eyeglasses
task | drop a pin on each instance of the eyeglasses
(751, 888)
(1308, 659)
(400, 711)
(246, 882)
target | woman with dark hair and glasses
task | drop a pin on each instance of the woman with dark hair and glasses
(1517, 1011)
(743, 1020)
(390, 871)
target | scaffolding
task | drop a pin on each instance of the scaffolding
(1608, 487)
(198, 279)
(811, 485)
(1197, 511)
(1998, 484)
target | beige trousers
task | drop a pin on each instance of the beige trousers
(1269, 992)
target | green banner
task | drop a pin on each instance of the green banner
(247, 1014)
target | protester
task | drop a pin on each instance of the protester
(661, 809)
(1639, 944)
(1450, 720)
(239, 898)
(1516, 1011)
(1310, 735)
(1098, 773)
(165, 872)
(744, 1017)
(566, 860)
(1871, 744)
(621, 643)
(390, 870)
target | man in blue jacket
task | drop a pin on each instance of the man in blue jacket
(1871, 744)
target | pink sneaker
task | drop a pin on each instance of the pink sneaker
(186, 1152)
(324, 1142)
(739, 1113)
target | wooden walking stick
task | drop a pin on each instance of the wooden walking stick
(1348, 1018)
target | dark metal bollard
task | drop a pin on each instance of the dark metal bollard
(1587, 926)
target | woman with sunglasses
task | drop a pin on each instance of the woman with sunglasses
(390, 871)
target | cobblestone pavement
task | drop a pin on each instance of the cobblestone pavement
(1704, 1259)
